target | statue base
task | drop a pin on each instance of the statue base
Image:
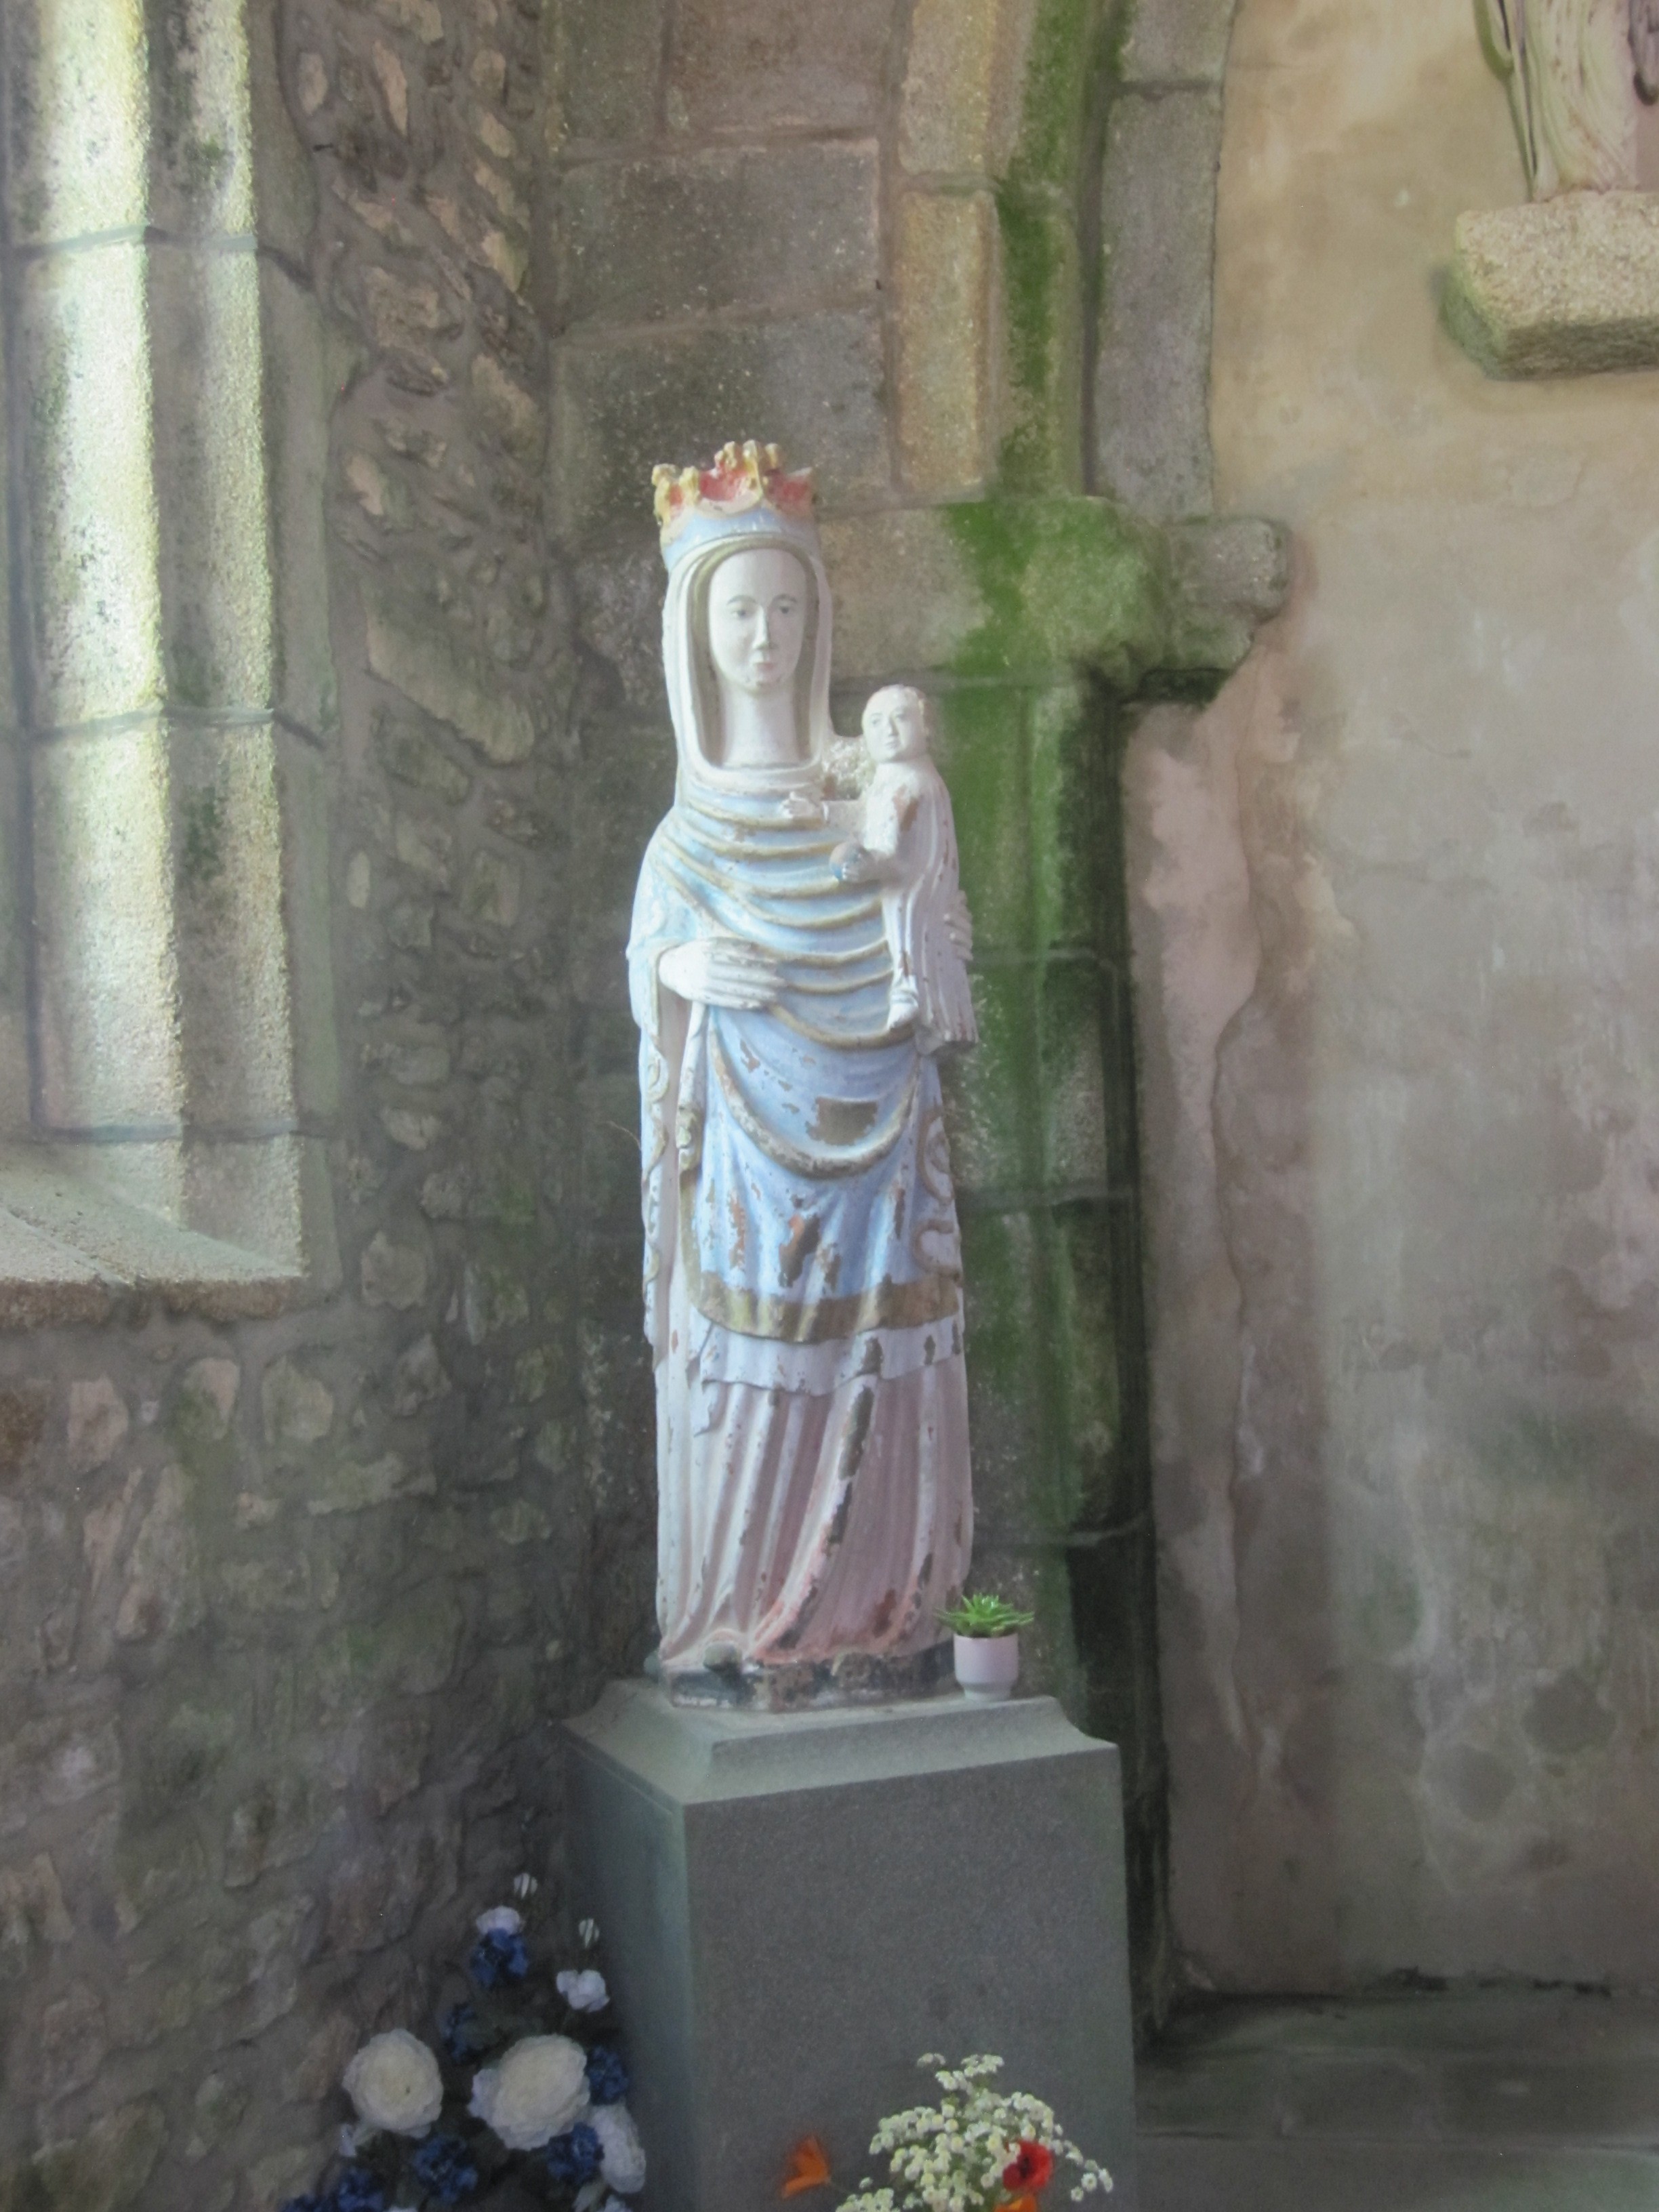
(795, 1906)
(857, 1678)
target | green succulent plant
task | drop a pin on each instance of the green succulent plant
(982, 1615)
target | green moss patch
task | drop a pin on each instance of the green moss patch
(981, 751)
(1060, 71)
(1042, 447)
(1066, 583)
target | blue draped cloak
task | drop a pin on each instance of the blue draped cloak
(795, 1156)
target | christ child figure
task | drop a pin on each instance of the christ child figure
(906, 842)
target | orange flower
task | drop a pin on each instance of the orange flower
(809, 2168)
(1026, 2203)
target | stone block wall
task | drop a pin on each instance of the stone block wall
(298, 1576)
(1150, 390)
(292, 1604)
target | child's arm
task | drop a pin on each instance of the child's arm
(853, 863)
(841, 815)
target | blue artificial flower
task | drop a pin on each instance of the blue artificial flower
(444, 2165)
(462, 2037)
(357, 2189)
(575, 2156)
(496, 1958)
(608, 2078)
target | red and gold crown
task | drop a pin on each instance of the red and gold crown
(747, 490)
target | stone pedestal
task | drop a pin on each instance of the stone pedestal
(795, 1906)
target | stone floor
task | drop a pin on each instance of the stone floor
(1478, 2100)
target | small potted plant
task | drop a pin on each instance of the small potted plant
(986, 1632)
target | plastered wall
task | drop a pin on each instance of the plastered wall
(1397, 948)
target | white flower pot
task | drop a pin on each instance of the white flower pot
(987, 1666)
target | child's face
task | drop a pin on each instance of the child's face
(895, 727)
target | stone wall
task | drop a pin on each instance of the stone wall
(293, 1601)
(1395, 956)
(291, 1605)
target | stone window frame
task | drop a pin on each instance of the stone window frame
(168, 1062)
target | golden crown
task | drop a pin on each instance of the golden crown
(743, 479)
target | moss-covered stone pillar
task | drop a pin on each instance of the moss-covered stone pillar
(1029, 620)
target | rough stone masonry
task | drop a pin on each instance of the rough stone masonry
(292, 1604)
(289, 1605)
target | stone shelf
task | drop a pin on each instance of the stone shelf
(1565, 286)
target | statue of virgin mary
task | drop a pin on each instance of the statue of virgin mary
(802, 1260)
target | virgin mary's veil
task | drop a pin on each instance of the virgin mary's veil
(693, 697)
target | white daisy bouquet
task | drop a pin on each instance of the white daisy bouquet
(979, 2149)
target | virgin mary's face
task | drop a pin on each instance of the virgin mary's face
(757, 618)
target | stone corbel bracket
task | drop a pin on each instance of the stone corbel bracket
(1025, 589)
(1563, 287)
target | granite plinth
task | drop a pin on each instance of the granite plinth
(796, 1906)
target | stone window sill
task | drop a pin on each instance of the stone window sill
(71, 1251)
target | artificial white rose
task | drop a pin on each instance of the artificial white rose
(501, 1920)
(585, 1991)
(395, 2084)
(534, 2092)
(622, 2154)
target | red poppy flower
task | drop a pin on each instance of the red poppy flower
(1030, 2168)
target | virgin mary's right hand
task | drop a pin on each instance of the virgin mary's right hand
(721, 971)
